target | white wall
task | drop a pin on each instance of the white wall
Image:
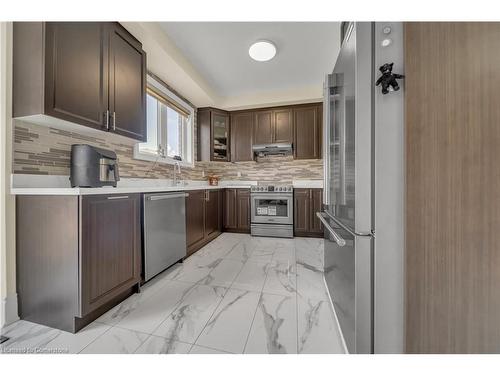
(166, 61)
(8, 296)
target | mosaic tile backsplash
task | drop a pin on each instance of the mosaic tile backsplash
(43, 150)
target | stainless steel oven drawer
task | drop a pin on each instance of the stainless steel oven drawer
(271, 230)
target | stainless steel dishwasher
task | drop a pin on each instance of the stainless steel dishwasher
(164, 231)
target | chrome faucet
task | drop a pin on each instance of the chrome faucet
(177, 168)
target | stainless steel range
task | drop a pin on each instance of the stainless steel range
(272, 211)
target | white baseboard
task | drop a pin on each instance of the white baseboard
(9, 309)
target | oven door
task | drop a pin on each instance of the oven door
(272, 208)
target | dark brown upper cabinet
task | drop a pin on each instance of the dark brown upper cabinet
(213, 135)
(273, 126)
(283, 125)
(307, 132)
(299, 124)
(127, 84)
(85, 73)
(242, 136)
(76, 86)
(263, 128)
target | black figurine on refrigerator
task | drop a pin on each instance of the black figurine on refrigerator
(388, 79)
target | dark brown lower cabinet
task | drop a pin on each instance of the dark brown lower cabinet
(316, 206)
(195, 220)
(110, 250)
(237, 210)
(213, 214)
(203, 218)
(77, 256)
(306, 203)
(243, 210)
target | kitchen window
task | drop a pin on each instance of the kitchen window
(169, 127)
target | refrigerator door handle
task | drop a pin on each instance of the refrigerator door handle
(339, 240)
(345, 227)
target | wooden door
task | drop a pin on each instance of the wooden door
(76, 72)
(307, 132)
(110, 247)
(212, 214)
(452, 187)
(243, 210)
(283, 129)
(127, 84)
(301, 211)
(263, 127)
(195, 219)
(242, 136)
(316, 205)
(230, 222)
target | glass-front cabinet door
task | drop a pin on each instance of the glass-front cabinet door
(220, 136)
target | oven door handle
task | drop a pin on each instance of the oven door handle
(338, 239)
(272, 196)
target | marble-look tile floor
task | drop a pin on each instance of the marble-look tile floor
(239, 294)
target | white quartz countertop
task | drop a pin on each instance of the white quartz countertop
(112, 190)
(59, 185)
(308, 184)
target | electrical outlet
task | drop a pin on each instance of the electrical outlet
(238, 174)
(202, 173)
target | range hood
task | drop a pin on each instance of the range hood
(272, 149)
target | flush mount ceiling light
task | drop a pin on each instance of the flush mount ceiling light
(262, 50)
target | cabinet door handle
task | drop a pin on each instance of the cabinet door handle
(114, 121)
(119, 197)
(107, 119)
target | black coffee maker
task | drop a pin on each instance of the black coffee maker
(93, 167)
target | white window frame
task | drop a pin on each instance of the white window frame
(147, 156)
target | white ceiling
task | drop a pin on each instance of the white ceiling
(218, 51)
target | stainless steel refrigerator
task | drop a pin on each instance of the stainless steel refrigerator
(351, 104)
